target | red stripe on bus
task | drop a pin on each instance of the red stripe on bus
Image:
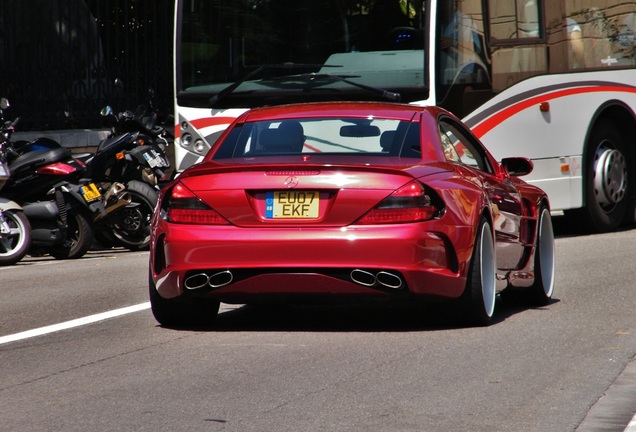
(205, 122)
(312, 148)
(211, 121)
(491, 122)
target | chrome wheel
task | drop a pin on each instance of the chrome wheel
(479, 297)
(610, 176)
(15, 236)
(487, 271)
(544, 261)
(606, 178)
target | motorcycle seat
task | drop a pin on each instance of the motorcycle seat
(114, 142)
(36, 159)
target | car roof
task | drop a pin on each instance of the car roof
(339, 109)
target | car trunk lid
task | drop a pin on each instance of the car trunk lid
(296, 196)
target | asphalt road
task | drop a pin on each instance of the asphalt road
(327, 368)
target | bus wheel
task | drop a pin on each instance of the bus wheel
(606, 186)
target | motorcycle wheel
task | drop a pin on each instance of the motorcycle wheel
(14, 244)
(79, 237)
(105, 238)
(130, 226)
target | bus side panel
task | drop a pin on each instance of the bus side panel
(548, 119)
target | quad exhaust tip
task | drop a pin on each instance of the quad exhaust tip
(382, 279)
(218, 279)
(214, 280)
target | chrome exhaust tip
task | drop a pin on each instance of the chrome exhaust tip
(220, 279)
(380, 279)
(204, 279)
(389, 280)
(196, 281)
(363, 277)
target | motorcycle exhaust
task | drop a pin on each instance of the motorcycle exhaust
(149, 177)
(115, 198)
(114, 190)
(122, 201)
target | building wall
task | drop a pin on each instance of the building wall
(59, 59)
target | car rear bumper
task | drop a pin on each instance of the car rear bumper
(233, 264)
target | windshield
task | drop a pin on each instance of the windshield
(377, 43)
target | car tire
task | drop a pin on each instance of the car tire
(481, 289)
(544, 261)
(198, 312)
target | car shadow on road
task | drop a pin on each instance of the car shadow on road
(359, 317)
(567, 226)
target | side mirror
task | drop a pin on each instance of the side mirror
(4, 103)
(106, 111)
(517, 166)
(119, 84)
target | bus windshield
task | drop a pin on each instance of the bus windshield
(278, 51)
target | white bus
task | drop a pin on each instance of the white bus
(552, 80)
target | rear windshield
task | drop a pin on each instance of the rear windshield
(341, 136)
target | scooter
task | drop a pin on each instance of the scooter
(15, 230)
(127, 169)
(59, 207)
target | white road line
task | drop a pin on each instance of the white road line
(631, 427)
(73, 323)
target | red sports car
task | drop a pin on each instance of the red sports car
(348, 201)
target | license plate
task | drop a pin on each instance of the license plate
(90, 192)
(292, 204)
(154, 159)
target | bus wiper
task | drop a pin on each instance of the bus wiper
(392, 96)
(287, 65)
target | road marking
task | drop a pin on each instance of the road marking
(26, 263)
(631, 427)
(73, 323)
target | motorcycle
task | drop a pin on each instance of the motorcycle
(127, 168)
(15, 230)
(59, 207)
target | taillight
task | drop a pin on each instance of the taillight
(58, 168)
(410, 203)
(183, 206)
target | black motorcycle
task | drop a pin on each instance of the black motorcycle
(128, 167)
(59, 207)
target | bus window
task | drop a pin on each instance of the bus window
(514, 20)
(222, 41)
(576, 47)
(462, 62)
(518, 48)
(606, 40)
